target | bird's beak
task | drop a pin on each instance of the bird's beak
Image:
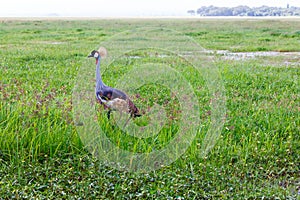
(89, 56)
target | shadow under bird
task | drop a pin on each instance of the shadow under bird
(111, 98)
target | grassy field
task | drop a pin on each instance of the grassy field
(257, 155)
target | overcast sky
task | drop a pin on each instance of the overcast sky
(111, 8)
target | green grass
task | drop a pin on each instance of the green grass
(42, 156)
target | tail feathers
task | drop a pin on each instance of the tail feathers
(137, 115)
(134, 111)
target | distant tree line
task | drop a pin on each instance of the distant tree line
(246, 11)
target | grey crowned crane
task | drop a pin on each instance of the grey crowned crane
(111, 98)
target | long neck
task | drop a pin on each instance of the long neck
(99, 82)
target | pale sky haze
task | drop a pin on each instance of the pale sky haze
(116, 8)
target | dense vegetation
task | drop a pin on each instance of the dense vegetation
(42, 156)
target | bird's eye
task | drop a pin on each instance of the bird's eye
(96, 55)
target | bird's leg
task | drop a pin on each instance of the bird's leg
(127, 122)
(108, 114)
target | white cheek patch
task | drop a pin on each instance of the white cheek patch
(96, 55)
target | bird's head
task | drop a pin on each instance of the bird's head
(101, 53)
(94, 54)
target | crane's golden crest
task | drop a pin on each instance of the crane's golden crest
(103, 52)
